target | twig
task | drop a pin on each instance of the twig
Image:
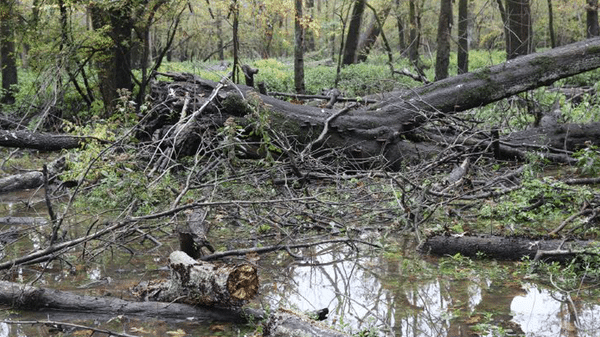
(78, 326)
(325, 130)
(51, 213)
(268, 249)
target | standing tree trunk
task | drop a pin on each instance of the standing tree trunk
(463, 37)
(368, 39)
(415, 36)
(309, 35)
(442, 59)
(592, 27)
(519, 40)
(7, 52)
(551, 25)
(299, 49)
(353, 32)
(400, 23)
(114, 71)
(236, 40)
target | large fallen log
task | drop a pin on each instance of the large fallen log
(503, 247)
(389, 131)
(26, 297)
(203, 283)
(21, 296)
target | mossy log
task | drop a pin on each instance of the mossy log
(207, 284)
(503, 247)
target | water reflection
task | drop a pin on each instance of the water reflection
(393, 298)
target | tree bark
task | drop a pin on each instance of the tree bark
(463, 37)
(400, 23)
(7, 51)
(442, 59)
(38, 141)
(520, 38)
(500, 247)
(369, 37)
(22, 296)
(33, 179)
(551, 25)
(379, 132)
(353, 32)
(592, 28)
(206, 284)
(280, 323)
(114, 71)
(299, 49)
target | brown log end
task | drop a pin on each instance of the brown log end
(243, 282)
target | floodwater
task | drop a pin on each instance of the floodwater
(389, 292)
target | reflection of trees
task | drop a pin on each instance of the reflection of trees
(402, 297)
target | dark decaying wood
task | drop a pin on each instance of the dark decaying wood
(503, 248)
(33, 179)
(193, 234)
(203, 283)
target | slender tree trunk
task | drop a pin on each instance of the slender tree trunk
(299, 49)
(369, 37)
(236, 41)
(353, 32)
(219, 26)
(463, 37)
(551, 25)
(592, 28)
(520, 39)
(442, 59)
(413, 47)
(400, 24)
(309, 43)
(7, 51)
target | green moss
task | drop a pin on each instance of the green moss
(546, 63)
(593, 49)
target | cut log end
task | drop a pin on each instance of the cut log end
(243, 282)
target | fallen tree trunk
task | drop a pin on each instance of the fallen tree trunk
(203, 283)
(39, 141)
(22, 296)
(389, 131)
(503, 248)
(26, 297)
(33, 179)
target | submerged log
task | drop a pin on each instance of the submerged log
(284, 323)
(504, 248)
(26, 297)
(203, 283)
(21, 296)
